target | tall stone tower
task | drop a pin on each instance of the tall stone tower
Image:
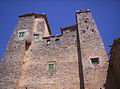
(30, 27)
(93, 55)
(33, 59)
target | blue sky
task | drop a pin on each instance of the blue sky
(61, 13)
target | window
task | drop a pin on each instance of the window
(85, 21)
(93, 30)
(87, 27)
(57, 41)
(21, 34)
(35, 36)
(27, 45)
(95, 60)
(51, 67)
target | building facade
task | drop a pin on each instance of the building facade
(33, 59)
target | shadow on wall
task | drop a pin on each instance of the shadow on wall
(80, 63)
(110, 81)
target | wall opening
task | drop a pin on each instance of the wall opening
(87, 27)
(21, 34)
(27, 45)
(57, 41)
(85, 21)
(95, 61)
(36, 36)
(51, 67)
(93, 30)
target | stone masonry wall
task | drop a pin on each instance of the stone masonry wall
(11, 63)
(25, 64)
(23, 68)
(93, 54)
(36, 74)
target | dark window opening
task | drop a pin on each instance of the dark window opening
(36, 36)
(21, 34)
(93, 30)
(57, 41)
(85, 21)
(27, 45)
(51, 67)
(73, 35)
(95, 60)
(87, 27)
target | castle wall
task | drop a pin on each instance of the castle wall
(63, 55)
(29, 67)
(40, 26)
(11, 62)
(93, 54)
(74, 60)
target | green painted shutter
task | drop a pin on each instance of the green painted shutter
(21, 34)
(95, 60)
(51, 67)
(35, 36)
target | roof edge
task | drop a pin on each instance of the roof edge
(83, 11)
(31, 14)
(71, 26)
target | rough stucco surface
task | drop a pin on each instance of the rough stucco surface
(25, 62)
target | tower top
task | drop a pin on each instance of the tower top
(33, 14)
(83, 11)
(42, 15)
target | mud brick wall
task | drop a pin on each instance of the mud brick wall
(115, 61)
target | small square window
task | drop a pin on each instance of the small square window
(95, 60)
(51, 67)
(21, 34)
(36, 36)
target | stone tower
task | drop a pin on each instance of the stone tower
(93, 55)
(33, 59)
